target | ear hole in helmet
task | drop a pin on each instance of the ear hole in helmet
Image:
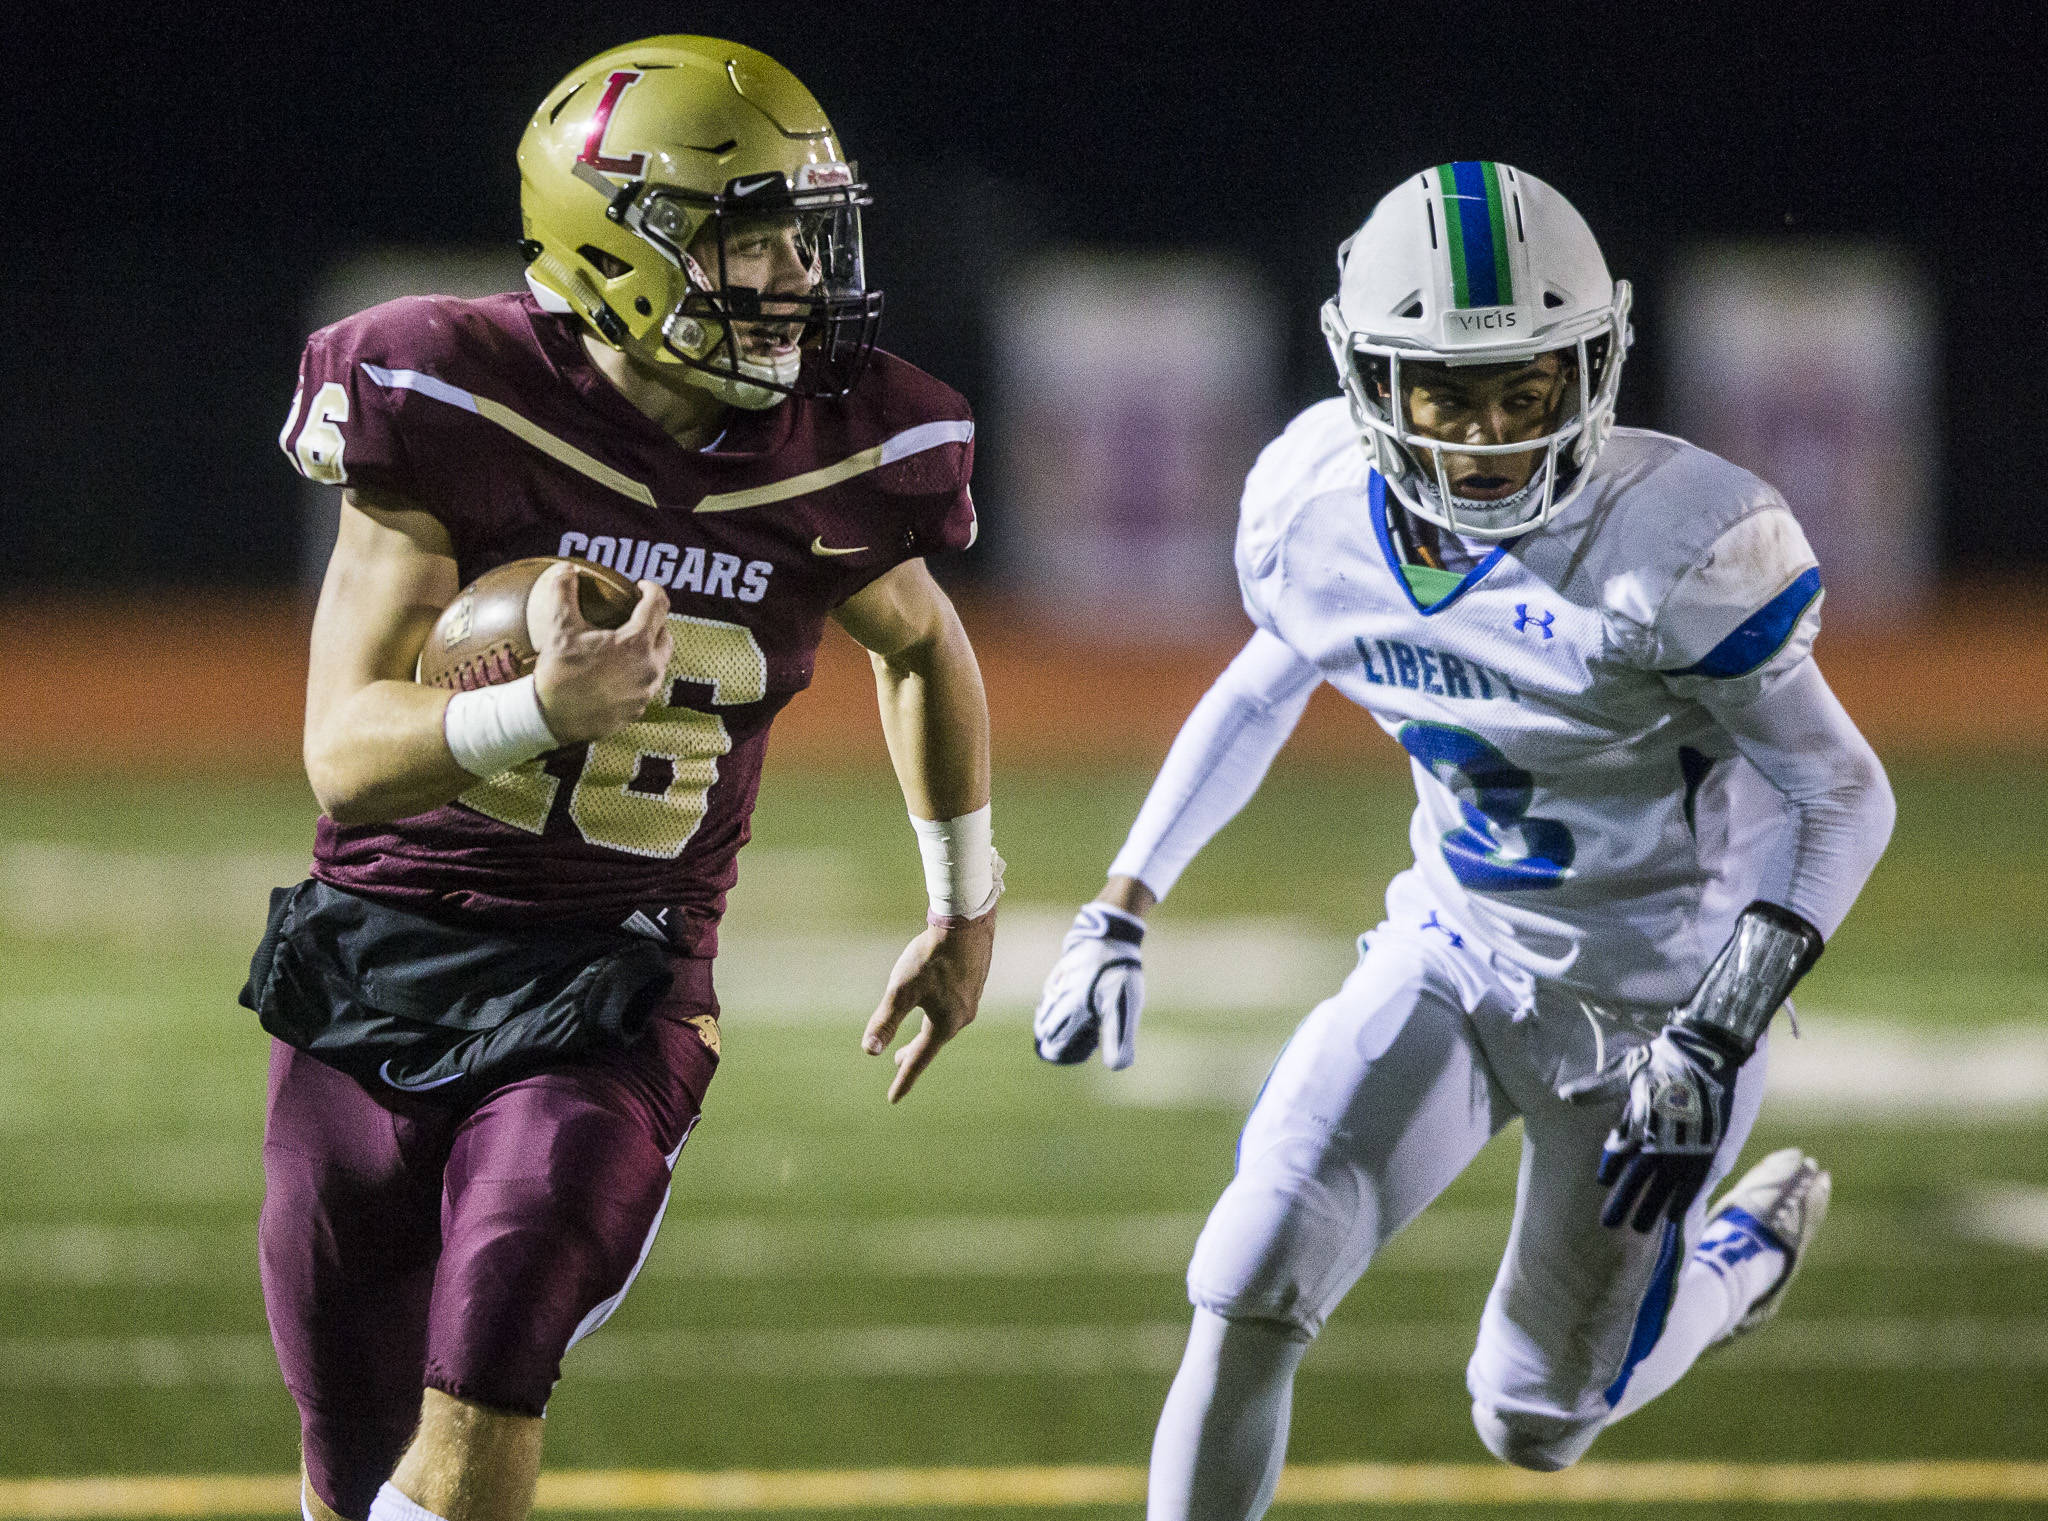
(1596, 361)
(1376, 374)
(610, 265)
(1552, 299)
(1412, 310)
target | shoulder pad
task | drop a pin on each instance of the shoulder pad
(348, 424)
(1676, 545)
(428, 334)
(924, 428)
(1738, 606)
(1318, 449)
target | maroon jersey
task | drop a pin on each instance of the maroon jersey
(489, 415)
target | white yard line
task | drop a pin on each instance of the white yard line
(91, 1255)
(770, 973)
(136, 898)
(1843, 1068)
(2008, 1215)
(785, 960)
(1222, 993)
(1854, 1068)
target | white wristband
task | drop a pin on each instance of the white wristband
(492, 728)
(961, 873)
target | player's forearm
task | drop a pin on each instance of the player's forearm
(935, 719)
(380, 753)
(374, 743)
(1217, 762)
(1799, 736)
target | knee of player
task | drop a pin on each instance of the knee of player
(1278, 1311)
(1540, 1443)
(1265, 1292)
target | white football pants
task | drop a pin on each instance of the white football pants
(1384, 1094)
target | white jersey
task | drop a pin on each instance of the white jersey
(1578, 805)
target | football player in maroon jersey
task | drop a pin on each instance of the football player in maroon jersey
(689, 393)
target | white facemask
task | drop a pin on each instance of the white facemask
(1486, 517)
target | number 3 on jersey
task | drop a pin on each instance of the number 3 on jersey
(644, 789)
(1499, 848)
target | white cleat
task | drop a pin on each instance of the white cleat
(1779, 1203)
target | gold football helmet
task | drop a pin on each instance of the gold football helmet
(634, 175)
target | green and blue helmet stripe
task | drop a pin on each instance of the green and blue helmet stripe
(1475, 224)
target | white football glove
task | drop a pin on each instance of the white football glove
(1678, 1092)
(1095, 991)
(1677, 1095)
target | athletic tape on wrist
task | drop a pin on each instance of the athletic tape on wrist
(938, 920)
(962, 872)
(492, 728)
(1764, 959)
(958, 859)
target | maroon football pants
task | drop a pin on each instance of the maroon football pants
(407, 1245)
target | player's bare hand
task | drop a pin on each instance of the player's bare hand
(941, 972)
(594, 681)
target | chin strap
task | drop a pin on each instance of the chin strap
(1769, 951)
(1487, 517)
(734, 390)
(1466, 508)
(586, 300)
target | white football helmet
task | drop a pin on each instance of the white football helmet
(1477, 263)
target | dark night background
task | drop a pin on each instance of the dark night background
(176, 184)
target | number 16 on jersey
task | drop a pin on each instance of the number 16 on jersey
(644, 789)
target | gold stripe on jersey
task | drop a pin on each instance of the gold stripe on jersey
(796, 485)
(910, 441)
(560, 449)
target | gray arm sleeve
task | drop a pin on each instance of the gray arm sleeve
(1797, 734)
(1217, 761)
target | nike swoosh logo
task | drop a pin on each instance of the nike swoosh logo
(820, 547)
(416, 1087)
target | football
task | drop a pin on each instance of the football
(485, 636)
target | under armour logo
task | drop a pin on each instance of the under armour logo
(1432, 922)
(1542, 621)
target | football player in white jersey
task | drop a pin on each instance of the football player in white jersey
(1640, 812)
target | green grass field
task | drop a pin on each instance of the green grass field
(990, 1274)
